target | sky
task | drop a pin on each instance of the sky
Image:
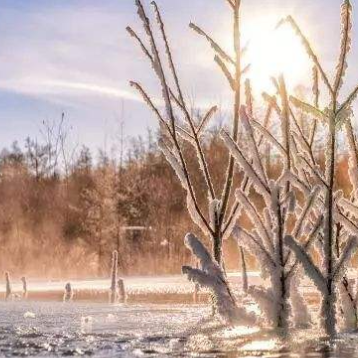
(74, 56)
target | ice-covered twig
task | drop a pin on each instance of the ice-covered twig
(307, 108)
(182, 104)
(255, 246)
(346, 254)
(255, 155)
(306, 44)
(266, 301)
(215, 46)
(311, 269)
(225, 71)
(302, 318)
(347, 205)
(256, 220)
(295, 181)
(245, 281)
(311, 201)
(160, 72)
(314, 171)
(246, 166)
(346, 42)
(268, 136)
(316, 226)
(349, 318)
(204, 121)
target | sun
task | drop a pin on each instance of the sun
(272, 52)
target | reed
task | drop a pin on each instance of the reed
(113, 293)
(68, 294)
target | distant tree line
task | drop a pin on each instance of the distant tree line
(62, 212)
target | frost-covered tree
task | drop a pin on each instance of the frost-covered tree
(99, 204)
(336, 114)
(220, 221)
(272, 224)
(178, 124)
(288, 213)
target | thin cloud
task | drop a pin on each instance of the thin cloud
(66, 88)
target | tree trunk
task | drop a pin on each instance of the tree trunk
(100, 260)
(329, 298)
(217, 249)
(328, 316)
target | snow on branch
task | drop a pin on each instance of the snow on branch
(347, 205)
(346, 43)
(301, 316)
(215, 46)
(246, 166)
(195, 216)
(353, 154)
(185, 135)
(199, 250)
(307, 108)
(348, 224)
(310, 268)
(348, 102)
(348, 302)
(8, 291)
(294, 180)
(268, 136)
(256, 220)
(266, 301)
(245, 281)
(255, 155)
(174, 162)
(350, 247)
(256, 248)
(206, 118)
(305, 212)
(307, 46)
(212, 277)
(225, 71)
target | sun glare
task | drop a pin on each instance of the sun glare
(272, 52)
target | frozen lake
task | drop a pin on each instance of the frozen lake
(101, 330)
(82, 328)
(76, 329)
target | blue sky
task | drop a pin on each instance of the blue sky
(75, 56)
